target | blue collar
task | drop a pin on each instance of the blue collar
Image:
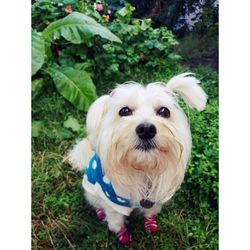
(94, 173)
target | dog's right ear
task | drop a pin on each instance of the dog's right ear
(95, 114)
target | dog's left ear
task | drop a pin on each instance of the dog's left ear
(188, 87)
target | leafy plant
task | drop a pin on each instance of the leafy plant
(201, 181)
(73, 84)
(71, 51)
(143, 48)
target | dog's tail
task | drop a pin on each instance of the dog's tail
(80, 155)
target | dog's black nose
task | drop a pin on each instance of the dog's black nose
(146, 131)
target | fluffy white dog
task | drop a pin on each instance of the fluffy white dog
(137, 149)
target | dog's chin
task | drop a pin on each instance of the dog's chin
(146, 145)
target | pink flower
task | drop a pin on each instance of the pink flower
(68, 9)
(106, 18)
(99, 7)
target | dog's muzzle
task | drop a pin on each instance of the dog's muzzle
(146, 132)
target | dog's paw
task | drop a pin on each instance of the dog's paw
(100, 214)
(124, 236)
(80, 155)
(151, 224)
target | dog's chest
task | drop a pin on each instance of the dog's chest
(142, 194)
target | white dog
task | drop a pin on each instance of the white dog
(137, 149)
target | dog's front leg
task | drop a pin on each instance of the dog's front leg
(150, 222)
(116, 223)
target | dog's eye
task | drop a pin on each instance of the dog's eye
(164, 112)
(125, 111)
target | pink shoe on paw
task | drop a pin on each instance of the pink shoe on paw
(124, 236)
(100, 214)
(151, 224)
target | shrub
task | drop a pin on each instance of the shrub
(72, 50)
(201, 181)
(143, 48)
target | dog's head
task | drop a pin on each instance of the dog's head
(142, 127)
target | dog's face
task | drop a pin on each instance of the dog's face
(142, 127)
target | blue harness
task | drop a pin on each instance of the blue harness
(94, 174)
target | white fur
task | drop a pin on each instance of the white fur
(136, 174)
(80, 155)
(187, 86)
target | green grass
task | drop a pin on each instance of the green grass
(61, 218)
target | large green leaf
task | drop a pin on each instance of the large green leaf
(38, 51)
(75, 85)
(78, 28)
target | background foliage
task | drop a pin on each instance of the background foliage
(88, 61)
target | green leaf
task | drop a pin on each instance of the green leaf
(123, 11)
(72, 123)
(86, 66)
(74, 85)
(36, 86)
(78, 28)
(174, 56)
(145, 24)
(38, 51)
(37, 128)
(160, 46)
(59, 133)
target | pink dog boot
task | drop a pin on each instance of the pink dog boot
(151, 224)
(100, 214)
(124, 236)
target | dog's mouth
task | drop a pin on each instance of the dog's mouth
(146, 145)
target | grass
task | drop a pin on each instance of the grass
(61, 219)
